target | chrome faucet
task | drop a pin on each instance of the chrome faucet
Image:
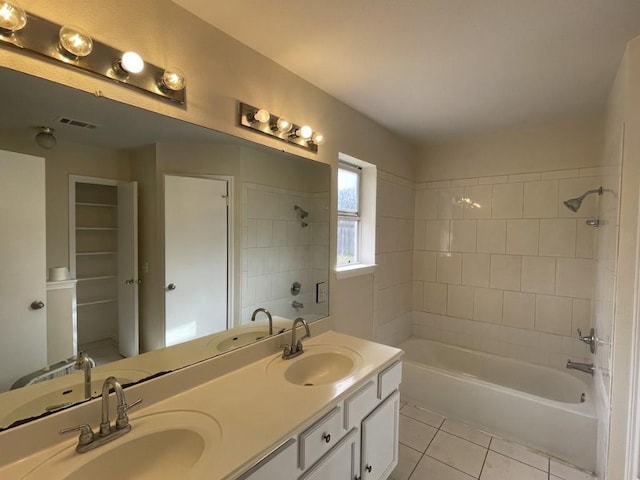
(88, 439)
(84, 363)
(295, 348)
(583, 367)
(268, 313)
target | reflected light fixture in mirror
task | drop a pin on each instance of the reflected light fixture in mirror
(45, 138)
(261, 120)
(75, 42)
(12, 16)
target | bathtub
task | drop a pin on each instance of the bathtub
(536, 406)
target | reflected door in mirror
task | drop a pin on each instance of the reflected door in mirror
(196, 257)
(23, 342)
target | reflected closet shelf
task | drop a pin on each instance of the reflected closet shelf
(97, 302)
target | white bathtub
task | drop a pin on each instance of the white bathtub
(537, 406)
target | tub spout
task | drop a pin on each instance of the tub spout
(583, 367)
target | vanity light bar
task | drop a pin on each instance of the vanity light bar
(42, 37)
(262, 121)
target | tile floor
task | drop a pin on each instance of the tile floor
(433, 447)
(101, 351)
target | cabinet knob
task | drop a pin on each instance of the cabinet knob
(326, 437)
(171, 286)
(37, 305)
(369, 468)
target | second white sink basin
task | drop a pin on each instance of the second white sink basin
(175, 444)
(318, 365)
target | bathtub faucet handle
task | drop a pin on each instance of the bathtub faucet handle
(589, 339)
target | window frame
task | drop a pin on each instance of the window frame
(352, 216)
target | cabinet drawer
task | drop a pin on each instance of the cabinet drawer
(389, 380)
(360, 404)
(320, 438)
(340, 463)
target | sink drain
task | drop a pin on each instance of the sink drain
(309, 385)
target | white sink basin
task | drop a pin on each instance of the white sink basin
(318, 365)
(176, 444)
(34, 400)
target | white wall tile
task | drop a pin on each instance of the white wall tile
(449, 268)
(493, 180)
(553, 315)
(581, 315)
(519, 310)
(479, 201)
(463, 235)
(438, 184)
(460, 301)
(419, 234)
(475, 269)
(524, 177)
(424, 266)
(557, 237)
(426, 205)
(435, 297)
(574, 277)
(487, 305)
(437, 235)
(450, 203)
(491, 236)
(507, 200)
(538, 274)
(541, 199)
(505, 272)
(585, 241)
(464, 182)
(418, 297)
(557, 174)
(522, 237)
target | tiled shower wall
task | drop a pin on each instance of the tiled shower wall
(502, 266)
(394, 258)
(277, 250)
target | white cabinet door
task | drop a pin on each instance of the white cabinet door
(281, 464)
(23, 340)
(380, 440)
(339, 464)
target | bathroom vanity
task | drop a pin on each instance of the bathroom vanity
(329, 413)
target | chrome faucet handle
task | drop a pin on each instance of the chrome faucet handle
(86, 433)
(589, 339)
(122, 419)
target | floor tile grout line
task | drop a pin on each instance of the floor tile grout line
(450, 466)
(451, 433)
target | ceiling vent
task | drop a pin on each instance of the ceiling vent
(76, 123)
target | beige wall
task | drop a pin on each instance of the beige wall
(64, 160)
(553, 146)
(625, 109)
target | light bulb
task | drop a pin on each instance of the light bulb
(131, 62)
(75, 41)
(283, 125)
(305, 132)
(260, 116)
(12, 16)
(174, 79)
(317, 138)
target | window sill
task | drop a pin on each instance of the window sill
(354, 271)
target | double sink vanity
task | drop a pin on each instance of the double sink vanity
(328, 411)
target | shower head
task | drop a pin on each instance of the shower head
(574, 204)
(303, 213)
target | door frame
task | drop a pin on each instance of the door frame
(229, 179)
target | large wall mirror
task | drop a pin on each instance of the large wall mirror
(145, 242)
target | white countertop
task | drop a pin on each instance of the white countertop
(255, 411)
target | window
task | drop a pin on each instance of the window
(349, 201)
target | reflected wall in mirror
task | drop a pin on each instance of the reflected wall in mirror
(159, 237)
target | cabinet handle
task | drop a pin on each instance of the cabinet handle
(369, 468)
(326, 437)
(171, 286)
(37, 305)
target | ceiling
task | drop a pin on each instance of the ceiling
(433, 70)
